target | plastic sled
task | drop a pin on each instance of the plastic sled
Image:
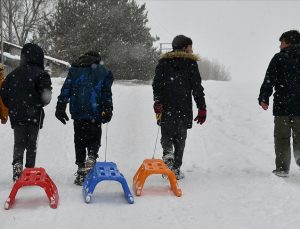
(104, 171)
(154, 166)
(34, 177)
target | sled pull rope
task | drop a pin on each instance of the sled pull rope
(158, 118)
(106, 131)
(37, 139)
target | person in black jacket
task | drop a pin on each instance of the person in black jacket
(283, 74)
(176, 80)
(25, 91)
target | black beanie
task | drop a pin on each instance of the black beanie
(180, 42)
(93, 54)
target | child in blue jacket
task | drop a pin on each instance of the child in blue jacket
(87, 89)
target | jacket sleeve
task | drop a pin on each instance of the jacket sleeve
(3, 108)
(4, 92)
(65, 92)
(45, 88)
(106, 92)
(197, 89)
(266, 88)
(157, 83)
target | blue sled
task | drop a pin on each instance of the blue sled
(104, 171)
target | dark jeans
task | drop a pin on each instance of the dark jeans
(284, 127)
(25, 138)
(87, 139)
(173, 135)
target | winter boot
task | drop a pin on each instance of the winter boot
(89, 164)
(17, 170)
(179, 174)
(80, 176)
(280, 173)
(168, 159)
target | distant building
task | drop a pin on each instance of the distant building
(12, 52)
(165, 47)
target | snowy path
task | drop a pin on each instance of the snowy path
(228, 163)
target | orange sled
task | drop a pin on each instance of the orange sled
(154, 166)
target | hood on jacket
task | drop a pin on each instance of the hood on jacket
(32, 54)
(293, 50)
(87, 59)
(180, 54)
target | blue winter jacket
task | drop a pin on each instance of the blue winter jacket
(88, 90)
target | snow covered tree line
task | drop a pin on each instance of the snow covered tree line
(116, 28)
(212, 70)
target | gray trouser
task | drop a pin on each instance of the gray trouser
(25, 138)
(284, 126)
(173, 135)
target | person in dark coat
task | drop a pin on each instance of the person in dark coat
(25, 91)
(283, 75)
(176, 80)
(87, 89)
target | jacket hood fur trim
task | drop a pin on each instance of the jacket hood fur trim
(180, 54)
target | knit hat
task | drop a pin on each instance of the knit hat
(87, 59)
(94, 54)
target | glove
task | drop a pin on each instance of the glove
(106, 116)
(158, 107)
(60, 112)
(201, 117)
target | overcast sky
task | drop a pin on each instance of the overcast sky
(242, 35)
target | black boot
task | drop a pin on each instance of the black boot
(80, 176)
(178, 173)
(168, 159)
(17, 170)
(89, 164)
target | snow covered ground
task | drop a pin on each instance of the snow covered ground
(227, 162)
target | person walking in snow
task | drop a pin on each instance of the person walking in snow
(176, 80)
(25, 91)
(88, 90)
(283, 74)
(3, 108)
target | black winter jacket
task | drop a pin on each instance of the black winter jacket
(27, 89)
(283, 74)
(176, 79)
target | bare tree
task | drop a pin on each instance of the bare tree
(10, 9)
(22, 18)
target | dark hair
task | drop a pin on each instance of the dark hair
(180, 42)
(94, 55)
(290, 37)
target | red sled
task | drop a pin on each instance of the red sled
(34, 177)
